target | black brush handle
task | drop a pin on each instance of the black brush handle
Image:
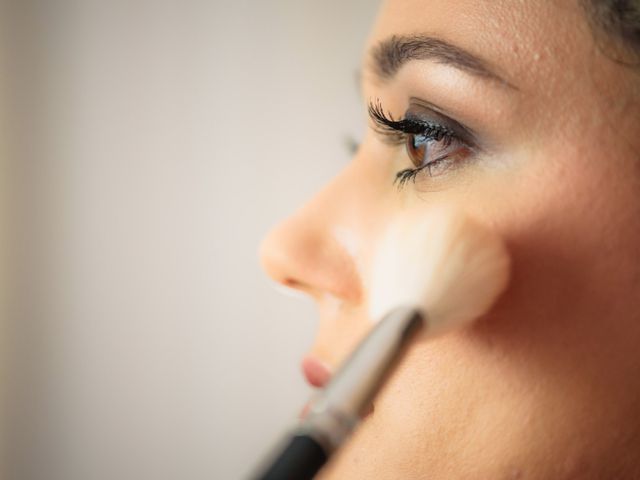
(300, 460)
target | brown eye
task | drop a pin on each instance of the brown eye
(435, 154)
(417, 146)
(423, 149)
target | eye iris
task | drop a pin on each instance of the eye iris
(417, 148)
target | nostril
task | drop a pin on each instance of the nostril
(295, 285)
(292, 283)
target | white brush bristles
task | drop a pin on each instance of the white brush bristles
(443, 263)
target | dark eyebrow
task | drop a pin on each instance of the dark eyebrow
(391, 54)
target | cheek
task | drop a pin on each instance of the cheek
(539, 382)
(573, 227)
(535, 386)
(569, 325)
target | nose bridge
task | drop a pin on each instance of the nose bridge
(319, 248)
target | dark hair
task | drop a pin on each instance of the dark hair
(620, 21)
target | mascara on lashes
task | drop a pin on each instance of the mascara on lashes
(397, 132)
(436, 125)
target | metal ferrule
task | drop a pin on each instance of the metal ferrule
(339, 407)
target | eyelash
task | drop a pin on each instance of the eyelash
(397, 132)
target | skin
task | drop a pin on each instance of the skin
(547, 384)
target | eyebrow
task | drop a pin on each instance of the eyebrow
(391, 54)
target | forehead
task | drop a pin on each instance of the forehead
(522, 40)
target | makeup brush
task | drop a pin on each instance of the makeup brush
(432, 274)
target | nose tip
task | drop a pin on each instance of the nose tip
(268, 255)
(275, 259)
(301, 253)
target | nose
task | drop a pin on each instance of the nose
(324, 248)
(309, 252)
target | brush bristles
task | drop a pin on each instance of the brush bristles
(444, 264)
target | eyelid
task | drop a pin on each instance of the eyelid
(431, 122)
(440, 115)
(396, 131)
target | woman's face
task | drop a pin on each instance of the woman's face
(526, 124)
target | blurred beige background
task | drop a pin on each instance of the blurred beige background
(153, 144)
